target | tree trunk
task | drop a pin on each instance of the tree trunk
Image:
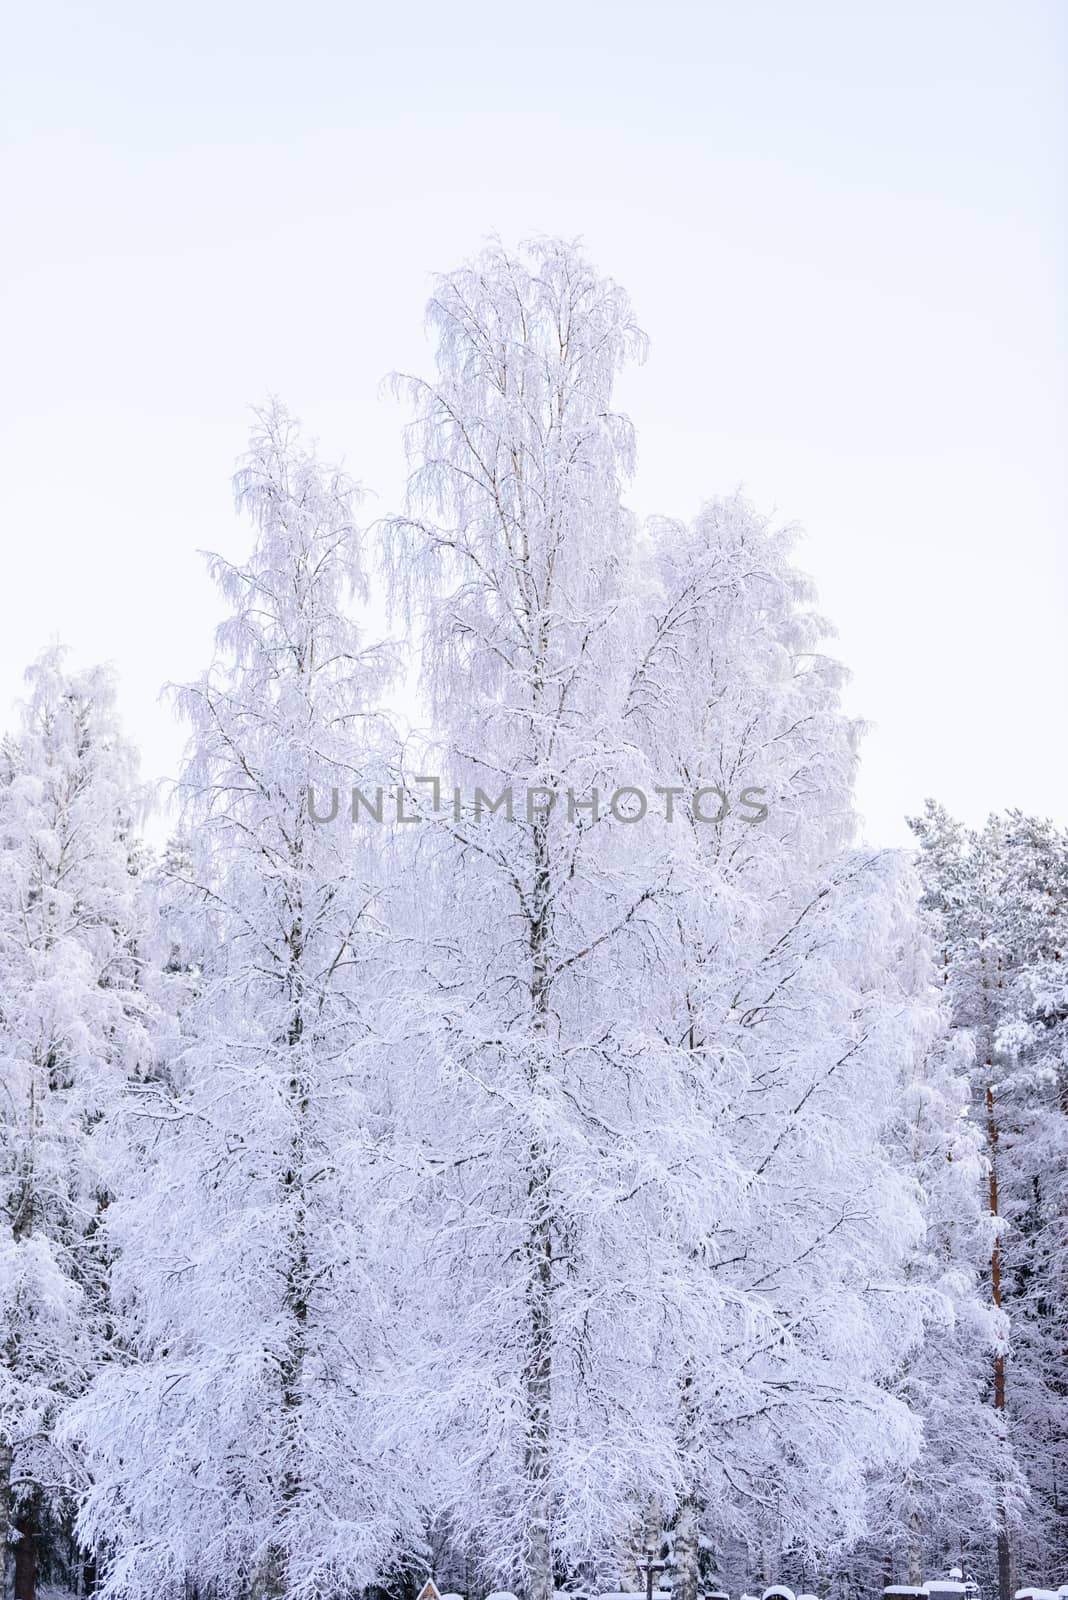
(28, 1529)
(6, 1460)
(768, 1577)
(538, 1374)
(272, 1573)
(685, 1582)
(915, 1564)
(90, 1575)
(686, 1577)
(539, 1563)
(269, 1582)
(1004, 1561)
(1004, 1565)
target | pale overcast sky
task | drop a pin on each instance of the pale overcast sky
(843, 226)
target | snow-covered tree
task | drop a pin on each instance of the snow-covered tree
(794, 1000)
(651, 1065)
(232, 1448)
(537, 1116)
(576, 1157)
(943, 1508)
(75, 1028)
(999, 900)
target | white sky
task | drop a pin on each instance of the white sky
(843, 226)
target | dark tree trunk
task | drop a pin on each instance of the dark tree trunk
(27, 1553)
(89, 1575)
(1004, 1567)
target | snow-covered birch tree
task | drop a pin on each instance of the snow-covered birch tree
(657, 1063)
(75, 1028)
(232, 1448)
(787, 1007)
(539, 1113)
(575, 1158)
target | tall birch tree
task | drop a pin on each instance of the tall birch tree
(232, 1448)
(789, 1004)
(510, 558)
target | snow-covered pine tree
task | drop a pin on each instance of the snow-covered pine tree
(1032, 1041)
(999, 899)
(232, 1450)
(942, 1509)
(75, 1028)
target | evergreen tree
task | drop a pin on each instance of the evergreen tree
(999, 899)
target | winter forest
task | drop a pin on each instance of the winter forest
(534, 1145)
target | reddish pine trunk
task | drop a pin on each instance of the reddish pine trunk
(1004, 1558)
